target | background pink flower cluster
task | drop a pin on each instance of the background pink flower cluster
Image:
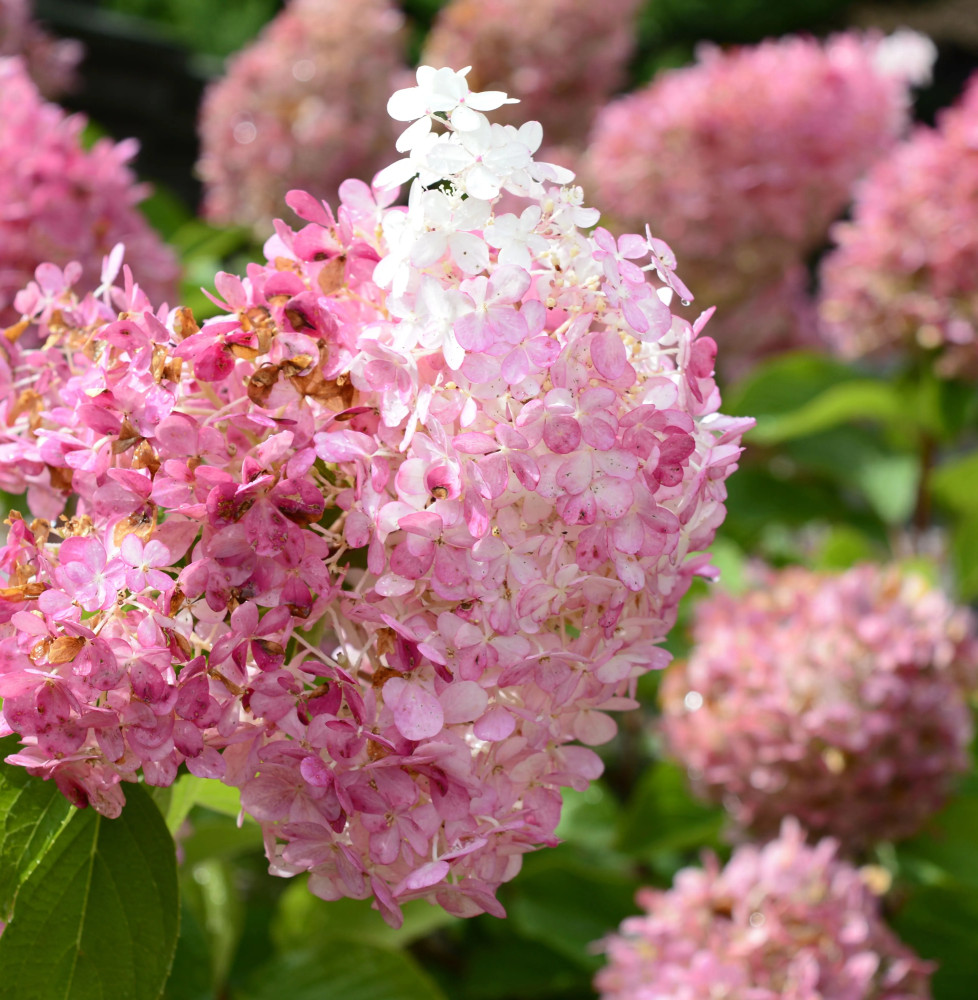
(786, 920)
(381, 542)
(298, 108)
(62, 202)
(51, 62)
(837, 699)
(902, 276)
(744, 159)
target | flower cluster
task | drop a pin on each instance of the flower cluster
(62, 203)
(50, 62)
(515, 46)
(744, 159)
(838, 699)
(902, 276)
(296, 109)
(785, 920)
(379, 542)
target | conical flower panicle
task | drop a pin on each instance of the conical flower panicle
(384, 543)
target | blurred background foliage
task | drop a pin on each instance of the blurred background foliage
(845, 464)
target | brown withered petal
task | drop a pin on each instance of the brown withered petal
(141, 523)
(65, 648)
(332, 275)
(296, 365)
(259, 386)
(60, 478)
(128, 436)
(12, 333)
(184, 324)
(145, 457)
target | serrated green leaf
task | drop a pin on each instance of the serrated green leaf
(97, 918)
(861, 399)
(32, 814)
(346, 971)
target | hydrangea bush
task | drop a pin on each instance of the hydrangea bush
(298, 109)
(786, 920)
(901, 280)
(64, 205)
(382, 543)
(745, 158)
(839, 699)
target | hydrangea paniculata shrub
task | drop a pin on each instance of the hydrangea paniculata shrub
(564, 58)
(786, 920)
(296, 108)
(51, 62)
(744, 159)
(901, 279)
(383, 543)
(63, 203)
(838, 699)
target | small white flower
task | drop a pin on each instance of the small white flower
(516, 238)
(441, 92)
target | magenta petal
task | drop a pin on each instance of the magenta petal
(608, 354)
(418, 714)
(427, 875)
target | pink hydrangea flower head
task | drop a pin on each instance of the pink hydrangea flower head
(839, 699)
(783, 920)
(900, 279)
(297, 108)
(63, 203)
(50, 62)
(744, 159)
(382, 544)
(523, 49)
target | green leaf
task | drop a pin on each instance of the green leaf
(32, 814)
(784, 383)
(97, 918)
(662, 815)
(568, 907)
(350, 971)
(305, 920)
(889, 483)
(189, 791)
(941, 923)
(964, 554)
(862, 399)
(955, 484)
(946, 847)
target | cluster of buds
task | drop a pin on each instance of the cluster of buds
(785, 920)
(63, 204)
(837, 699)
(379, 543)
(523, 48)
(746, 158)
(296, 109)
(51, 62)
(902, 277)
